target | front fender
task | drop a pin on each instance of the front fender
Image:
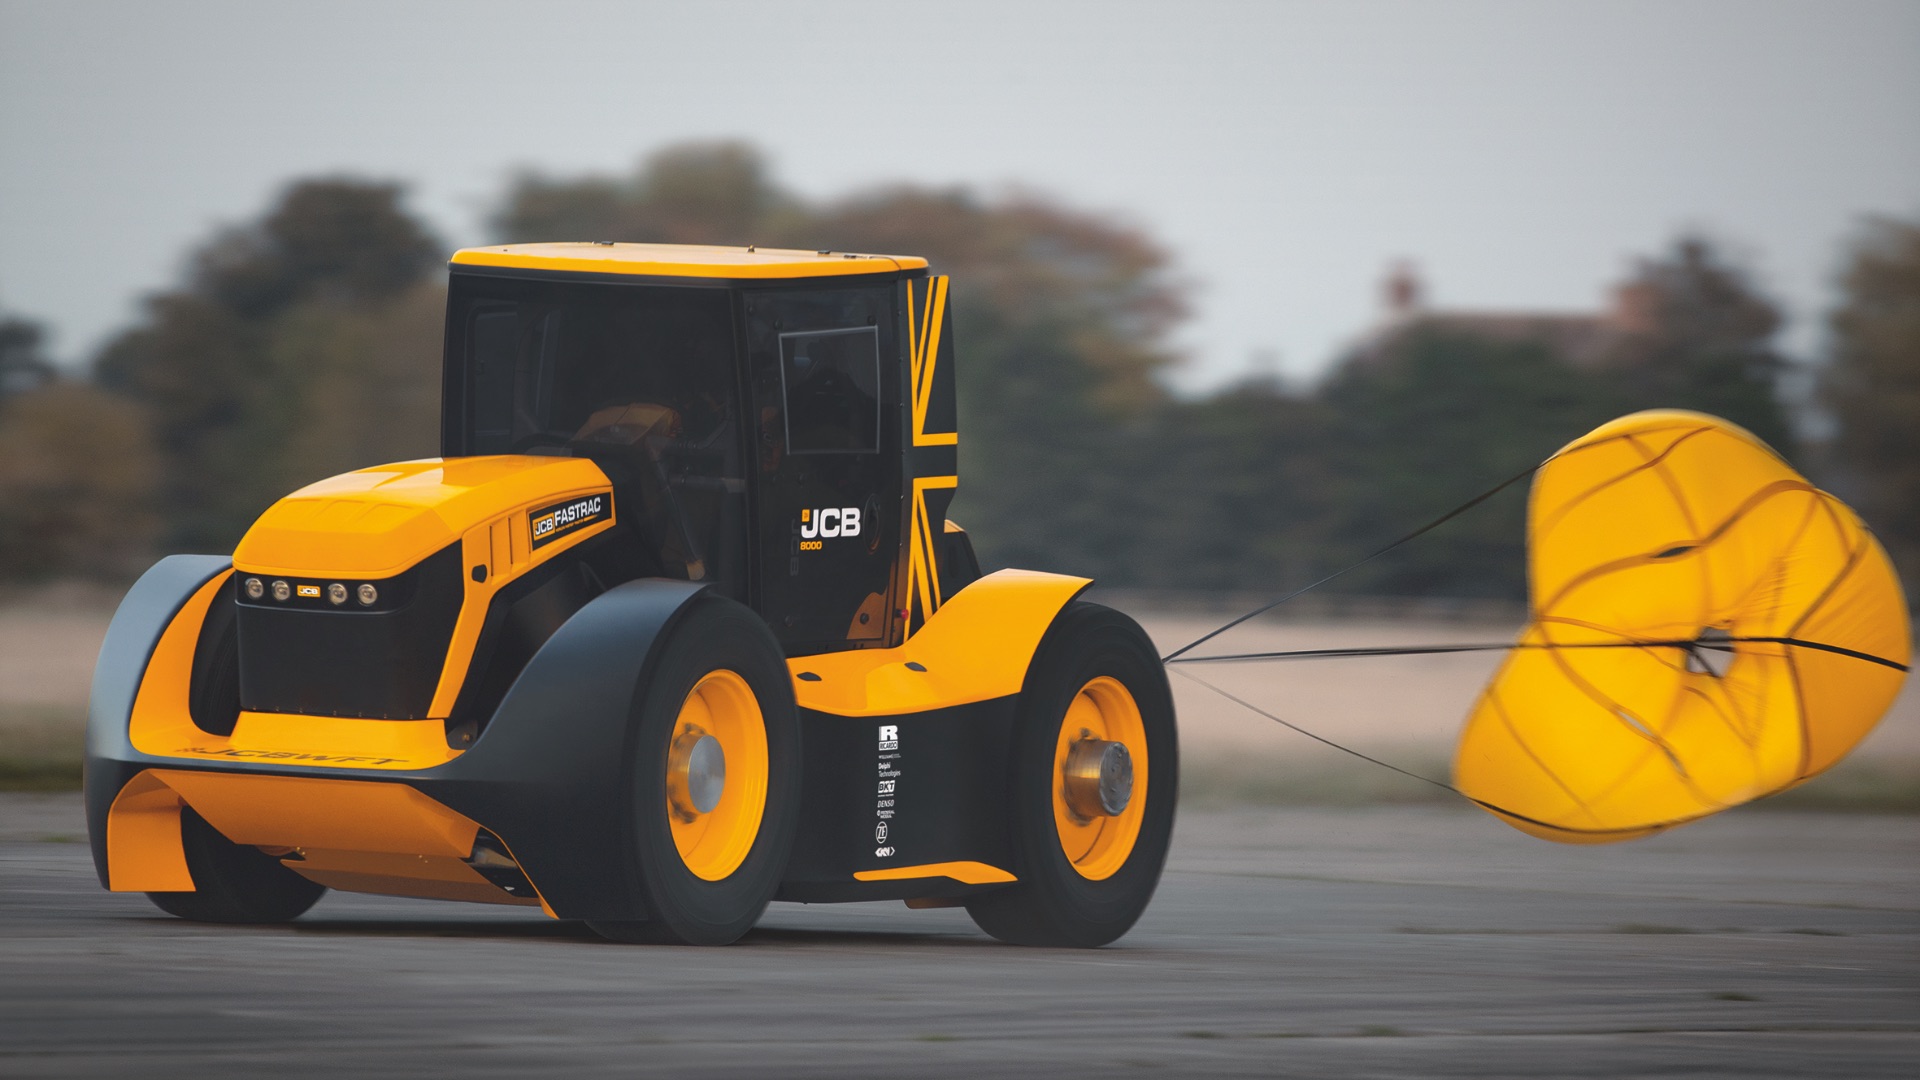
(548, 775)
(143, 615)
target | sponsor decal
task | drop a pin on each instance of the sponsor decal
(827, 523)
(291, 756)
(889, 762)
(550, 523)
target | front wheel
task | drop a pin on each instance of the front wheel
(1095, 776)
(714, 777)
(234, 883)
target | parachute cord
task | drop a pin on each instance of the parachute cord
(1441, 784)
(1690, 644)
(1245, 704)
(1428, 527)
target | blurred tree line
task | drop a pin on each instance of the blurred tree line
(307, 343)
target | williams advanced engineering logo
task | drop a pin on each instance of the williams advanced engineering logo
(550, 523)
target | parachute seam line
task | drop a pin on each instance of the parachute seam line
(1814, 509)
(1846, 570)
(1513, 732)
(1428, 527)
(1628, 562)
(1736, 723)
(1573, 502)
(1672, 484)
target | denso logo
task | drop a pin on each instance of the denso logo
(829, 522)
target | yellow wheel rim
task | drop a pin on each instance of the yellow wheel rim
(1098, 846)
(715, 841)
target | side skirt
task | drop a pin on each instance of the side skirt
(886, 796)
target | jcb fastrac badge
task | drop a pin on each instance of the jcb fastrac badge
(550, 523)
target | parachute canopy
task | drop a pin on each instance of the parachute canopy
(1706, 628)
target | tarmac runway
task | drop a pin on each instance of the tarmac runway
(1403, 942)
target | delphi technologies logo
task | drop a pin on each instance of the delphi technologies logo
(827, 523)
(550, 523)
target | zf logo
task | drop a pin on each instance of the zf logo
(830, 522)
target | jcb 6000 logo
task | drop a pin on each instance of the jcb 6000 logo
(829, 522)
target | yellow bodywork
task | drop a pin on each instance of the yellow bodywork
(976, 647)
(684, 260)
(375, 523)
(1664, 527)
(162, 725)
(353, 835)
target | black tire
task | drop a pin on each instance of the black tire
(1053, 904)
(714, 635)
(234, 883)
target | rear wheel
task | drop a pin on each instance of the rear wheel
(714, 777)
(234, 883)
(1095, 777)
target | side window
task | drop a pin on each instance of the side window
(831, 380)
(494, 345)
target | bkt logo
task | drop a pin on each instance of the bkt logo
(829, 522)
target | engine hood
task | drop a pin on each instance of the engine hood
(378, 522)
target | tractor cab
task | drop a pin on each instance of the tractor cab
(777, 424)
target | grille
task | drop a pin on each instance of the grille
(306, 655)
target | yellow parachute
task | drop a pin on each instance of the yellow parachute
(1707, 628)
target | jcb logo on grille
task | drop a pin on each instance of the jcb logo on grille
(829, 522)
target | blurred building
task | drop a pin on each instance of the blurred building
(1581, 339)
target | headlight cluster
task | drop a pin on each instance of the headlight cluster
(337, 592)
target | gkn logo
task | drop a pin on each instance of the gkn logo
(828, 522)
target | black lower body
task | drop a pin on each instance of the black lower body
(934, 793)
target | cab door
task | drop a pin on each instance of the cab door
(825, 367)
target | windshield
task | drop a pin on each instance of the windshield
(638, 377)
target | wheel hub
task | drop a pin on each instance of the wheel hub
(1098, 778)
(696, 774)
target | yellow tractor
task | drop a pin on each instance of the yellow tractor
(675, 626)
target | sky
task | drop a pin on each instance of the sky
(1520, 155)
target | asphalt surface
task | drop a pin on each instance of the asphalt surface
(1381, 943)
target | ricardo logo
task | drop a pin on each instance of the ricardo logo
(550, 523)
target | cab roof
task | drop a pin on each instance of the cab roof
(683, 260)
